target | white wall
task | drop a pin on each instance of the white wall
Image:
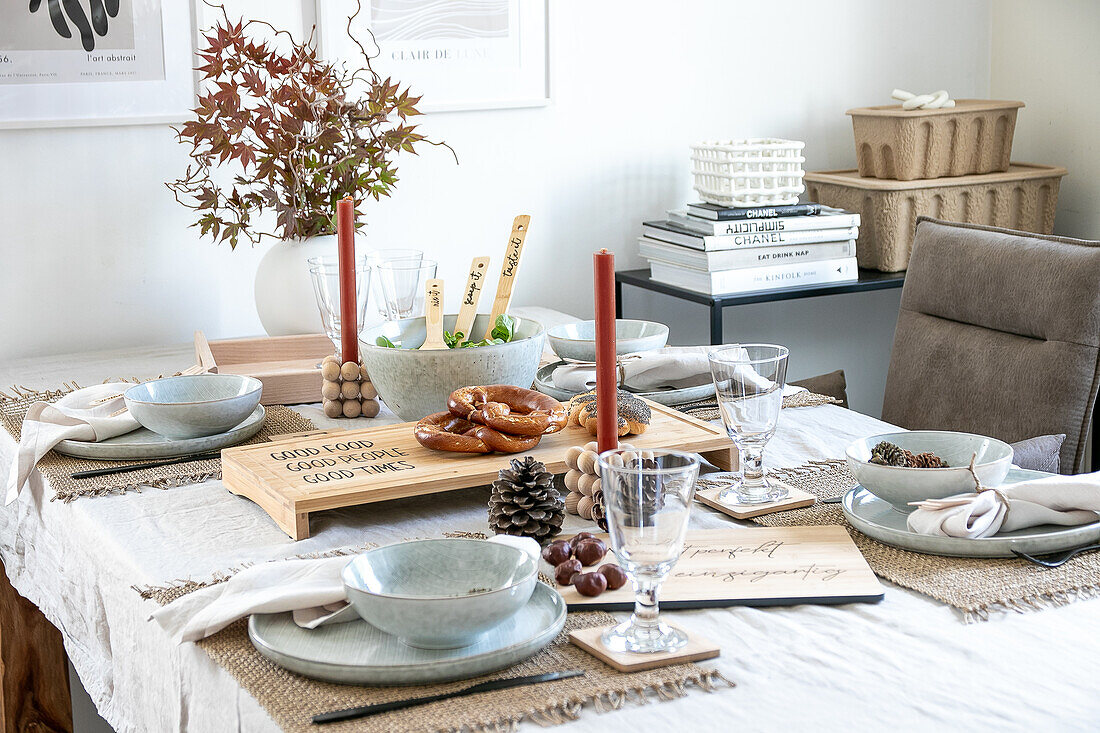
(95, 252)
(1047, 54)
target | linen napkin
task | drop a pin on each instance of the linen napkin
(1062, 500)
(311, 589)
(673, 367)
(78, 415)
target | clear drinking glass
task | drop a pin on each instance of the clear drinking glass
(402, 285)
(647, 495)
(377, 257)
(325, 272)
(749, 380)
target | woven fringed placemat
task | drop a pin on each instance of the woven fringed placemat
(58, 469)
(975, 586)
(291, 699)
(707, 409)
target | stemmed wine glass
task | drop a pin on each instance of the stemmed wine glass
(749, 380)
(648, 497)
(325, 272)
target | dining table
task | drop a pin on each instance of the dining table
(908, 662)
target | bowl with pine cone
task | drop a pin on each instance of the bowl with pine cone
(916, 465)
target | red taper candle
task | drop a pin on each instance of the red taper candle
(607, 381)
(345, 235)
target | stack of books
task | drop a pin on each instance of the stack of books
(719, 251)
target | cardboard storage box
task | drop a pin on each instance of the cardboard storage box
(1023, 197)
(974, 136)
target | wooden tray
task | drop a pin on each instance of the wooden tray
(287, 365)
(290, 479)
(754, 566)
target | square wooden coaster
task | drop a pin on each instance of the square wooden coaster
(697, 648)
(796, 499)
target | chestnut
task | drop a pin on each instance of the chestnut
(616, 576)
(590, 584)
(590, 551)
(581, 536)
(563, 573)
(557, 552)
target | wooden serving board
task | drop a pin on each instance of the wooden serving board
(290, 479)
(753, 566)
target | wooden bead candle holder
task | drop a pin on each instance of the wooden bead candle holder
(346, 390)
(583, 477)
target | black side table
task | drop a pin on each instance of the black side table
(868, 280)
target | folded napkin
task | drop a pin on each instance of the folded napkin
(77, 416)
(311, 589)
(673, 367)
(1062, 500)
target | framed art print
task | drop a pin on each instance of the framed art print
(474, 54)
(95, 62)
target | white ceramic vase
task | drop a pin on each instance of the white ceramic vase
(284, 288)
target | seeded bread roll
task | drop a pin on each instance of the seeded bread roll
(634, 414)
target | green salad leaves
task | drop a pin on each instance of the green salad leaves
(504, 330)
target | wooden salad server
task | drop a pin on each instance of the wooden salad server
(433, 315)
(470, 297)
(509, 270)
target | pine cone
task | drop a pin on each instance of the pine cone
(599, 510)
(635, 515)
(926, 460)
(888, 454)
(525, 502)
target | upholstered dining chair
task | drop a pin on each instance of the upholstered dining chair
(999, 334)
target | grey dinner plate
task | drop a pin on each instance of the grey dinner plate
(144, 443)
(877, 519)
(357, 653)
(544, 382)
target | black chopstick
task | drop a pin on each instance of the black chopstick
(153, 464)
(385, 707)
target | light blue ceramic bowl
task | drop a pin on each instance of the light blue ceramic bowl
(899, 486)
(440, 594)
(193, 406)
(578, 340)
(416, 383)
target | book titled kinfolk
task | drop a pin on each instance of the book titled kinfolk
(727, 282)
(673, 233)
(725, 213)
(733, 259)
(829, 218)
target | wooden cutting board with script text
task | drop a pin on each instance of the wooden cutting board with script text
(753, 566)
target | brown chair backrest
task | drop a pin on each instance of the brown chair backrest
(999, 334)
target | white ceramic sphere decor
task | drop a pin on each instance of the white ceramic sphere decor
(284, 291)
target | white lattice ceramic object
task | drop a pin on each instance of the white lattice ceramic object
(751, 172)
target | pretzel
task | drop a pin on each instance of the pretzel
(446, 432)
(511, 410)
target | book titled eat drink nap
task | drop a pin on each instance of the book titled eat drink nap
(734, 259)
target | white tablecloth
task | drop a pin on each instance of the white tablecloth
(907, 663)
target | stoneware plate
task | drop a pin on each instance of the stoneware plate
(875, 518)
(144, 443)
(544, 382)
(357, 653)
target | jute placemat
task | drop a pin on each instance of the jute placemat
(291, 699)
(975, 586)
(58, 469)
(708, 409)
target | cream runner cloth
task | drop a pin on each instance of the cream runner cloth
(1064, 500)
(86, 414)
